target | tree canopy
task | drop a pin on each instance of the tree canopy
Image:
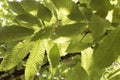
(60, 40)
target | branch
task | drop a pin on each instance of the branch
(18, 73)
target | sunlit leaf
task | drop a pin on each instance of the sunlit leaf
(87, 59)
(68, 39)
(14, 32)
(15, 56)
(49, 4)
(80, 43)
(70, 8)
(16, 7)
(35, 60)
(84, 2)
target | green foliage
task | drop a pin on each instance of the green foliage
(70, 30)
(63, 4)
(78, 16)
(54, 57)
(27, 18)
(14, 33)
(44, 13)
(108, 49)
(43, 34)
(69, 8)
(29, 5)
(35, 59)
(96, 5)
(72, 73)
(15, 56)
(16, 7)
(98, 26)
(79, 43)
(101, 11)
(60, 40)
(116, 15)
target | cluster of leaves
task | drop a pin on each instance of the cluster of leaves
(60, 39)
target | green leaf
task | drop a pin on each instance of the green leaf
(77, 73)
(84, 2)
(116, 15)
(79, 43)
(44, 13)
(102, 13)
(49, 4)
(54, 57)
(78, 15)
(115, 73)
(43, 33)
(98, 26)
(63, 7)
(118, 1)
(115, 77)
(100, 5)
(35, 60)
(63, 4)
(81, 73)
(70, 30)
(14, 33)
(86, 12)
(27, 5)
(87, 59)
(70, 8)
(27, 18)
(15, 56)
(16, 7)
(108, 50)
